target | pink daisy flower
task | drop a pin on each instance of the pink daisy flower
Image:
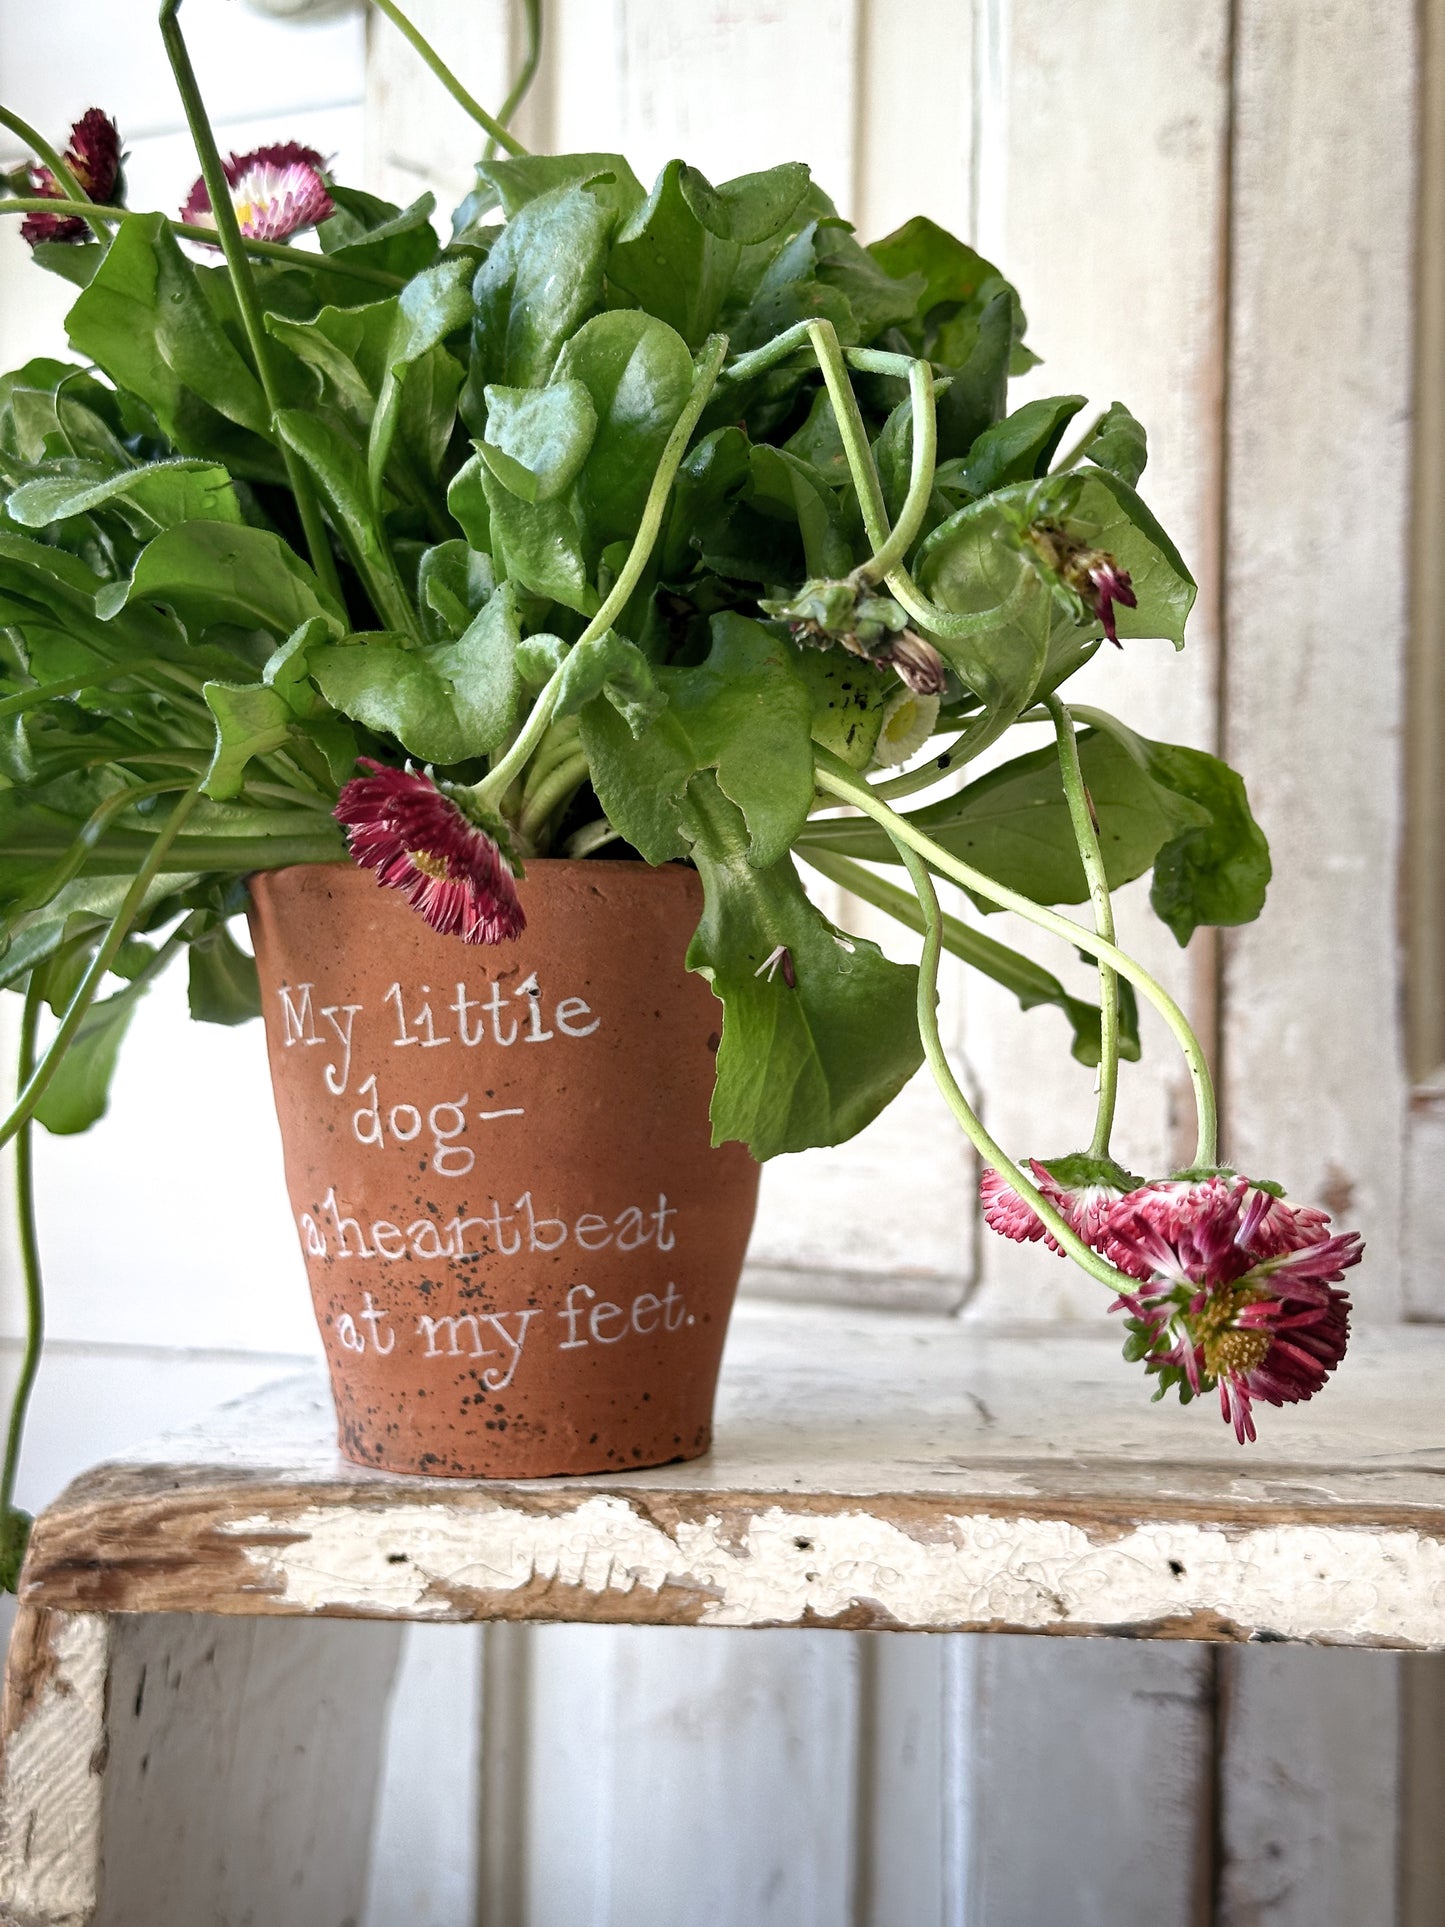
(93, 157)
(419, 838)
(1082, 1190)
(276, 191)
(1238, 1292)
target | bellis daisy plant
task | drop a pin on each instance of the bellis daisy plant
(669, 522)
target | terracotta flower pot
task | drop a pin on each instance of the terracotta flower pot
(523, 1250)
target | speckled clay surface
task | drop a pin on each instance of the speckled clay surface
(523, 1250)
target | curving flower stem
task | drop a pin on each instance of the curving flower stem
(838, 780)
(189, 231)
(968, 1119)
(495, 784)
(14, 1526)
(448, 79)
(1086, 835)
(79, 201)
(38, 1082)
(526, 73)
(892, 552)
(228, 230)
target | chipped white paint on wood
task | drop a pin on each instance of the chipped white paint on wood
(1317, 572)
(50, 1783)
(868, 1470)
(1310, 1787)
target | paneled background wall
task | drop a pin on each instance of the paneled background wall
(1210, 209)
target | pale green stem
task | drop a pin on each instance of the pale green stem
(495, 784)
(29, 1266)
(526, 73)
(972, 1125)
(228, 231)
(77, 200)
(189, 231)
(47, 692)
(38, 1082)
(1086, 835)
(838, 780)
(592, 836)
(554, 789)
(933, 771)
(891, 554)
(448, 79)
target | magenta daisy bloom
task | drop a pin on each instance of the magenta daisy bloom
(93, 156)
(420, 838)
(1082, 1190)
(276, 191)
(1238, 1292)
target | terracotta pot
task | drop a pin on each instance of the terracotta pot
(522, 1248)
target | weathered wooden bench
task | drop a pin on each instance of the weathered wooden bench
(194, 1701)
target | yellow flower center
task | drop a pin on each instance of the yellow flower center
(429, 865)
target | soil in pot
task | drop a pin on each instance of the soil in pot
(523, 1249)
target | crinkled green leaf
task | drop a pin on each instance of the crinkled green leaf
(453, 585)
(745, 713)
(209, 572)
(223, 984)
(251, 720)
(512, 181)
(639, 374)
(379, 234)
(443, 703)
(1119, 443)
(611, 666)
(969, 567)
(535, 289)
(1022, 445)
(164, 493)
(803, 1062)
(537, 438)
(538, 546)
(787, 488)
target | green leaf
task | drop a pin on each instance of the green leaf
(783, 486)
(163, 493)
(849, 697)
(346, 349)
(1217, 869)
(433, 305)
(1022, 445)
(1118, 443)
(959, 284)
(79, 1092)
(876, 298)
(379, 234)
(453, 585)
(251, 720)
(537, 438)
(611, 666)
(538, 546)
(209, 572)
(744, 713)
(514, 181)
(467, 503)
(443, 703)
(335, 460)
(977, 395)
(803, 1063)
(223, 983)
(639, 374)
(676, 255)
(712, 474)
(969, 568)
(535, 289)
(1014, 825)
(146, 321)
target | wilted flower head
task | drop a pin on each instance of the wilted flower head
(423, 839)
(93, 157)
(276, 191)
(852, 615)
(1238, 1291)
(1082, 1190)
(1086, 579)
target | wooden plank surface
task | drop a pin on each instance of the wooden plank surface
(870, 1470)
